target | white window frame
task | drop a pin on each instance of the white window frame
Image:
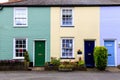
(72, 48)
(72, 17)
(14, 47)
(15, 25)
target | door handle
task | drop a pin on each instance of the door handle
(89, 54)
(39, 54)
(109, 55)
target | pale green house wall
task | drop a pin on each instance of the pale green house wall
(38, 28)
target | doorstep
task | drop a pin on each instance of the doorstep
(113, 69)
(36, 68)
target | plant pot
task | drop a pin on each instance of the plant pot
(65, 69)
(82, 68)
(26, 65)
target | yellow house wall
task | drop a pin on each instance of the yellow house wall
(86, 27)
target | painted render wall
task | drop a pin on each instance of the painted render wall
(86, 27)
(110, 27)
(38, 28)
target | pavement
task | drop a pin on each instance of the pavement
(108, 69)
(55, 75)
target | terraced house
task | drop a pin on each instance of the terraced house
(74, 28)
(59, 28)
(25, 26)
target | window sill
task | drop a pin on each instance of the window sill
(20, 58)
(68, 26)
(66, 58)
(20, 26)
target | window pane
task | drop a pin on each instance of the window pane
(20, 54)
(17, 54)
(24, 50)
(24, 42)
(16, 46)
(24, 46)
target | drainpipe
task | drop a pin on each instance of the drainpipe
(1, 7)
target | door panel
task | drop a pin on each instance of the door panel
(110, 45)
(89, 48)
(39, 53)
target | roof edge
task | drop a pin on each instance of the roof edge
(70, 5)
(11, 1)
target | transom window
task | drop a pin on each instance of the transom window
(67, 48)
(20, 17)
(67, 17)
(20, 46)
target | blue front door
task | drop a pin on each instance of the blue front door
(110, 45)
(88, 49)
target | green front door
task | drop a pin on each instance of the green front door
(39, 53)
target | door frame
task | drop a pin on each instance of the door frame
(94, 46)
(34, 49)
(115, 49)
